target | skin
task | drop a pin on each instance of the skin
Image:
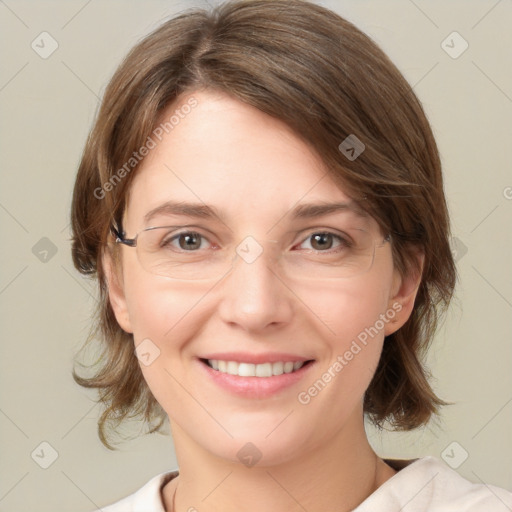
(315, 456)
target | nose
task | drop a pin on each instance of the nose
(254, 296)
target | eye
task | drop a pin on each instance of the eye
(323, 241)
(186, 240)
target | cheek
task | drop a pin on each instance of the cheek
(161, 314)
(156, 306)
(352, 318)
(346, 310)
(164, 316)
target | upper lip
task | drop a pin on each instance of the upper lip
(245, 357)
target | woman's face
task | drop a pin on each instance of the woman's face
(254, 172)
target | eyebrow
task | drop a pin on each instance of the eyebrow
(205, 211)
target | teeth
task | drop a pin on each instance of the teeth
(255, 370)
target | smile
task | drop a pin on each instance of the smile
(254, 376)
(255, 370)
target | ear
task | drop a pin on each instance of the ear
(403, 294)
(116, 296)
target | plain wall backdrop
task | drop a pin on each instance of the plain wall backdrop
(48, 103)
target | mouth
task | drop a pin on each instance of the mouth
(262, 370)
(259, 379)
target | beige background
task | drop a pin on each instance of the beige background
(47, 107)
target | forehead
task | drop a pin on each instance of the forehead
(232, 156)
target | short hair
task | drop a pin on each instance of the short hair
(315, 71)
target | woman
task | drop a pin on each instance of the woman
(261, 200)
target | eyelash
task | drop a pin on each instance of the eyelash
(343, 241)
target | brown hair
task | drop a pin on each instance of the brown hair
(312, 69)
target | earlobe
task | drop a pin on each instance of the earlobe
(403, 296)
(116, 294)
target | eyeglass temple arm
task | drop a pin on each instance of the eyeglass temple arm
(130, 242)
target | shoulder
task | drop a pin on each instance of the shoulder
(429, 485)
(146, 499)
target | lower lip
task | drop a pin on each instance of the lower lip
(255, 387)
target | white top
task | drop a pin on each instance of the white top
(423, 485)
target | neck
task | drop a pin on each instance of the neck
(339, 474)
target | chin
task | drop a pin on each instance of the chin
(262, 445)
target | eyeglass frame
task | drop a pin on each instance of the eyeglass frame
(132, 242)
